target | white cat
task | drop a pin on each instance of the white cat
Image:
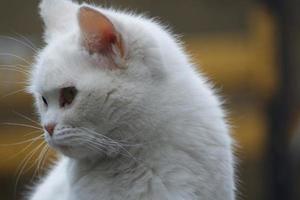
(122, 103)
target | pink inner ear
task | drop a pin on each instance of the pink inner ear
(98, 33)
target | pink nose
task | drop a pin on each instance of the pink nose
(50, 128)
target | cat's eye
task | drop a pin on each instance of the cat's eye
(67, 95)
(45, 101)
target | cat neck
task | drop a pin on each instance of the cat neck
(131, 162)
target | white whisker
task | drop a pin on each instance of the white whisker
(29, 42)
(23, 125)
(23, 164)
(32, 132)
(23, 142)
(15, 56)
(38, 161)
(12, 93)
(14, 69)
(19, 41)
(25, 117)
(111, 142)
(23, 150)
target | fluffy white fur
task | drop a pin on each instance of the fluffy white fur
(151, 130)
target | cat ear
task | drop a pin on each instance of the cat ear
(58, 16)
(98, 33)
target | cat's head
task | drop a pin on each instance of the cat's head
(93, 77)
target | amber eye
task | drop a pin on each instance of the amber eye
(67, 96)
(45, 101)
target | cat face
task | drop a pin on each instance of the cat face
(92, 78)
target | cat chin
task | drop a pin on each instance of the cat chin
(75, 155)
(82, 156)
(83, 153)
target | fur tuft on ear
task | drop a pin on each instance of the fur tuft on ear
(98, 33)
(58, 16)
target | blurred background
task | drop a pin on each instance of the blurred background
(249, 49)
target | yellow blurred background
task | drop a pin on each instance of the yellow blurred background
(249, 49)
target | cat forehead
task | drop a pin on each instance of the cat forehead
(58, 69)
(49, 76)
(57, 65)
